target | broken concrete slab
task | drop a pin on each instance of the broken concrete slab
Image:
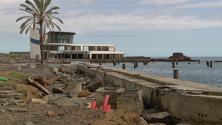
(111, 91)
(160, 117)
(63, 100)
(6, 90)
(183, 124)
(94, 84)
(131, 98)
(16, 110)
(128, 107)
(40, 101)
(75, 87)
(157, 124)
(142, 121)
(14, 95)
(57, 90)
(9, 102)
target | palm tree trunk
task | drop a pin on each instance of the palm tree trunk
(41, 41)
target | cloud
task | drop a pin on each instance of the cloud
(163, 1)
(82, 22)
(202, 5)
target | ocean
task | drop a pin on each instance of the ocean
(192, 72)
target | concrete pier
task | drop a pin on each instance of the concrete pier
(192, 102)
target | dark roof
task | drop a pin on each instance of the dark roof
(58, 32)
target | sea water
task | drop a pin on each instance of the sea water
(193, 72)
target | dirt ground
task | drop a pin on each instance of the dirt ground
(65, 115)
(46, 114)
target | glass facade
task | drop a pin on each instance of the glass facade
(60, 38)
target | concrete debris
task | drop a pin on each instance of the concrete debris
(157, 124)
(28, 123)
(111, 91)
(57, 90)
(13, 95)
(6, 90)
(142, 121)
(94, 84)
(159, 115)
(76, 87)
(183, 124)
(16, 110)
(10, 101)
(63, 100)
(40, 101)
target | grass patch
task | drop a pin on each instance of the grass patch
(9, 84)
(11, 56)
(12, 75)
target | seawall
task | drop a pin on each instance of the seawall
(185, 100)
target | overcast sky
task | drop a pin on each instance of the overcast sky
(154, 28)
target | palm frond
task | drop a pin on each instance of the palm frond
(27, 30)
(38, 4)
(20, 18)
(46, 4)
(32, 5)
(26, 11)
(57, 26)
(24, 23)
(55, 12)
(51, 9)
(57, 19)
(24, 28)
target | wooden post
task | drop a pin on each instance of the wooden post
(211, 64)
(198, 61)
(207, 62)
(176, 74)
(114, 62)
(134, 64)
(124, 66)
(173, 64)
(177, 62)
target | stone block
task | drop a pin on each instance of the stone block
(111, 91)
(94, 84)
(130, 100)
(129, 107)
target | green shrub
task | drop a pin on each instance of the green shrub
(13, 75)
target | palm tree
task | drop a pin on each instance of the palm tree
(38, 13)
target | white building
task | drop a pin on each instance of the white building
(60, 45)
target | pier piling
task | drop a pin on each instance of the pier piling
(173, 64)
(211, 64)
(176, 74)
(124, 66)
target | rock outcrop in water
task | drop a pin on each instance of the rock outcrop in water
(180, 57)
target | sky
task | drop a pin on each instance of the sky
(151, 28)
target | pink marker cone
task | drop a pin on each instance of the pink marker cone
(106, 99)
(93, 105)
(108, 107)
